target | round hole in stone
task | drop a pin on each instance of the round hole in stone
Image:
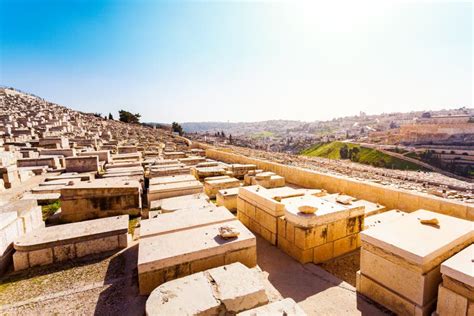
(307, 209)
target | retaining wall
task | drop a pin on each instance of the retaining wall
(392, 198)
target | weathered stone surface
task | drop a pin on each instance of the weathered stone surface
(460, 267)
(284, 307)
(383, 218)
(224, 290)
(182, 220)
(161, 191)
(190, 295)
(432, 242)
(238, 287)
(71, 233)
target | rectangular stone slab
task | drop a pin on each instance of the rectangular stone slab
(173, 189)
(172, 179)
(260, 196)
(370, 208)
(181, 202)
(326, 212)
(383, 218)
(460, 267)
(418, 243)
(71, 233)
(167, 250)
(182, 220)
(100, 187)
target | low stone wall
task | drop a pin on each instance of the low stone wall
(393, 198)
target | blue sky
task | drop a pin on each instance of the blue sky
(239, 61)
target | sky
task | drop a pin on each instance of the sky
(239, 60)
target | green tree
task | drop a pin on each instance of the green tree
(177, 128)
(110, 116)
(344, 152)
(127, 117)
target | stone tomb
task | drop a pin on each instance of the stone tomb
(228, 198)
(456, 293)
(100, 198)
(29, 214)
(331, 231)
(212, 186)
(82, 164)
(412, 251)
(172, 179)
(174, 154)
(240, 170)
(51, 161)
(168, 170)
(268, 180)
(184, 219)
(10, 229)
(205, 172)
(64, 242)
(180, 202)
(167, 190)
(370, 208)
(192, 160)
(259, 209)
(224, 290)
(170, 256)
(10, 176)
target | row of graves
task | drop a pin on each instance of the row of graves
(197, 250)
(429, 253)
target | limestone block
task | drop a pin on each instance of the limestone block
(460, 267)
(266, 220)
(204, 264)
(228, 198)
(40, 257)
(184, 219)
(345, 245)
(162, 191)
(95, 246)
(450, 303)
(200, 246)
(64, 252)
(190, 295)
(20, 260)
(382, 218)
(435, 244)
(191, 201)
(323, 252)
(238, 287)
(392, 300)
(302, 256)
(123, 240)
(419, 288)
(284, 307)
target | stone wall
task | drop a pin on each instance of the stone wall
(393, 198)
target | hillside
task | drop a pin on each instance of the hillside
(364, 155)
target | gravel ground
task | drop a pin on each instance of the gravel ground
(344, 267)
(100, 285)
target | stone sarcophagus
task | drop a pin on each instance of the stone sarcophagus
(100, 198)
